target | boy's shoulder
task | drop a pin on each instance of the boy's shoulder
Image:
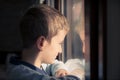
(21, 72)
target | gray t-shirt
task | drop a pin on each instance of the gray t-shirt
(24, 71)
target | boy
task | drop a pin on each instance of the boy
(43, 30)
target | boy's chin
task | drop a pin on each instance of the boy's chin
(50, 62)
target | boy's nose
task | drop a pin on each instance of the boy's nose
(59, 52)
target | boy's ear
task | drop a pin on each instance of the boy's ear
(40, 42)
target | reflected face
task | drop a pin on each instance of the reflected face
(53, 48)
(76, 11)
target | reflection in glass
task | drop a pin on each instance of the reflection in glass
(78, 32)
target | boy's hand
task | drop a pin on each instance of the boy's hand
(61, 72)
(79, 73)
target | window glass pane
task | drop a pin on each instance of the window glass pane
(75, 40)
(78, 37)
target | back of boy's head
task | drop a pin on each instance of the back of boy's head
(41, 20)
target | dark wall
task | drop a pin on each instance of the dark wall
(10, 14)
(113, 39)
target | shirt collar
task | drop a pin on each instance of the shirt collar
(15, 61)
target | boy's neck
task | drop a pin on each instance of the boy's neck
(31, 57)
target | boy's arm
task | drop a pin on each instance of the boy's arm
(78, 68)
(57, 66)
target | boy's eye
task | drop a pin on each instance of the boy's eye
(61, 43)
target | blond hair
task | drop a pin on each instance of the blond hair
(41, 20)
